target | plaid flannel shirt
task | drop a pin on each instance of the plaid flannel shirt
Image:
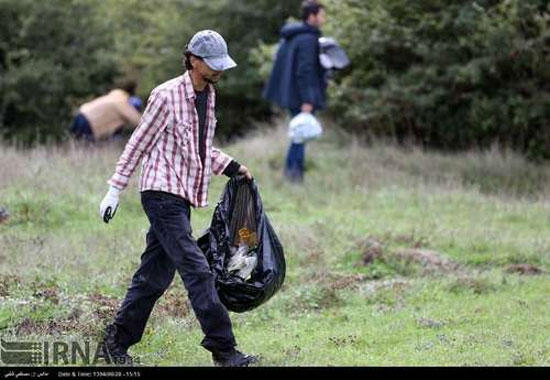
(167, 142)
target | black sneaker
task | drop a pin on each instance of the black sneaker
(232, 358)
(112, 350)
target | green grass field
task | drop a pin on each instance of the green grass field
(395, 256)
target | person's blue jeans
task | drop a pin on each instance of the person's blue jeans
(171, 248)
(295, 158)
(295, 162)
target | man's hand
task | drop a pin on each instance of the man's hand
(109, 204)
(244, 171)
(306, 107)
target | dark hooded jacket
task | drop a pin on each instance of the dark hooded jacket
(297, 75)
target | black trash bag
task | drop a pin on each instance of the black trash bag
(239, 218)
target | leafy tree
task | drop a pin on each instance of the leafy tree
(52, 53)
(150, 38)
(451, 74)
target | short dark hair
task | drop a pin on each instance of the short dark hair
(128, 85)
(187, 59)
(310, 7)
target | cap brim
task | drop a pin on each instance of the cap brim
(220, 63)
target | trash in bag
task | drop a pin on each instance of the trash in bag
(242, 262)
(242, 249)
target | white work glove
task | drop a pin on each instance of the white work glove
(109, 204)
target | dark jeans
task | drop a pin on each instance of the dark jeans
(295, 158)
(80, 128)
(171, 248)
(295, 162)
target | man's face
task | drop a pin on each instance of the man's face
(211, 76)
(319, 19)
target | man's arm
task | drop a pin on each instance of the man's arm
(154, 120)
(128, 113)
(232, 169)
(224, 164)
(220, 161)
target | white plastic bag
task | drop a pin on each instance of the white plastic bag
(242, 262)
(304, 127)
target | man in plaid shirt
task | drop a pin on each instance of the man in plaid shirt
(174, 144)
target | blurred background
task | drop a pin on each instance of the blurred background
(448, 74)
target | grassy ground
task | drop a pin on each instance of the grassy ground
(395, 256)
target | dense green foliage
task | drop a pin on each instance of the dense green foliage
(151, 37)
(51, 53)
(56, 54)
(447, 73)
(450, 74)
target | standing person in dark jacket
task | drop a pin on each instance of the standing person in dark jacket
(297, 79)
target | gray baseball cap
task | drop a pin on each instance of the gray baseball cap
(211, 47)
